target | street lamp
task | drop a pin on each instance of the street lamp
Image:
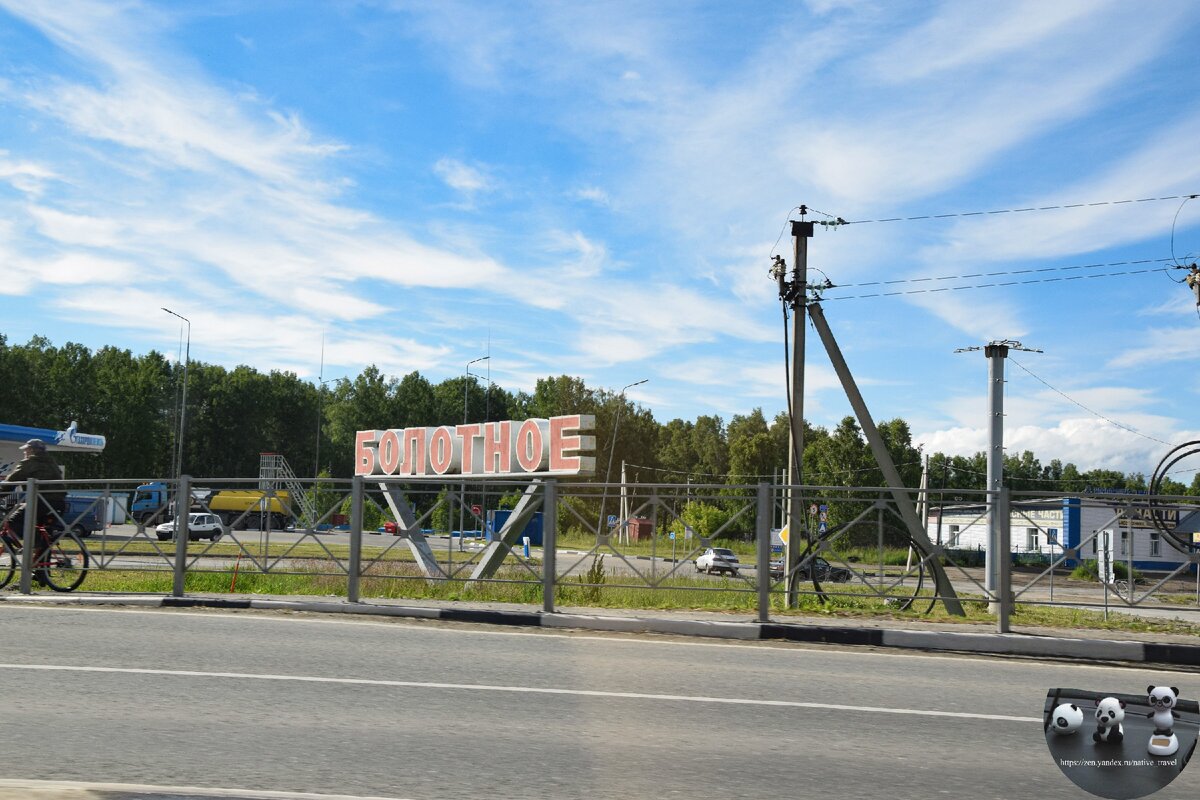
(182, 403)
(467, 383)
(462, 500)
(613, 447)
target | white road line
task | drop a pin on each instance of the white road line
(478, 687)
(142, 788)
(771, 645)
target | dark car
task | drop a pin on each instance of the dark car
(826, 572)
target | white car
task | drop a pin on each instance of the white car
(717, 559)
(200, 526)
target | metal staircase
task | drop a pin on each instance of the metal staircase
(274, 470)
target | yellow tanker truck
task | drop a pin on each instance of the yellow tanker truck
(237, 508)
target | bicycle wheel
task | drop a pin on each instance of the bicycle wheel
(8, 562)
(64, 566)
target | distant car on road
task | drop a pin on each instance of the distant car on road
(200, 526)
(826, 572)
(717, 559)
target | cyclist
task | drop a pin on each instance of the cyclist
(37, 464)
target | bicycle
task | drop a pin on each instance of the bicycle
(60, 558)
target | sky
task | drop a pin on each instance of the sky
(598, 189)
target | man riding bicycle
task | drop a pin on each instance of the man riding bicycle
(37, 464)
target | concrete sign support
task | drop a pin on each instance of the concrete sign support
(506, 538)
(406, 526)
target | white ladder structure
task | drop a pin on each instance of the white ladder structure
(273, 470)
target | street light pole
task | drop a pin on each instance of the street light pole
(462, 500)
(612, 448)
(187, 357)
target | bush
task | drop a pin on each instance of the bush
(1090, 571)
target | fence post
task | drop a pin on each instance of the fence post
(356, 534)
(762, 538)
(549, 544)
(28, 535)
(1004, 558)
(183, 505)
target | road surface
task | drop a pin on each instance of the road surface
(405, 709)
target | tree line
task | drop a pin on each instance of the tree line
(234, 414)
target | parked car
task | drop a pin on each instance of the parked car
(826, 572)
(717, 559)
(81, 514)
(200, 526)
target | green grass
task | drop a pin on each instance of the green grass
(397, 581)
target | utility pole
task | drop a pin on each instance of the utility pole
(792, 293)
(996, 352)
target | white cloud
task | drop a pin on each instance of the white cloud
(1088, 443)
(594, 194)
(954, 39)
(76, 229)
(1160, 346)
(462, 177)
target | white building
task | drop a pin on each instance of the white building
(1072, 527)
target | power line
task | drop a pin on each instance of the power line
(1019, 210)
(966, 275)
(760, 475)
(1089, 410)
(999, 283)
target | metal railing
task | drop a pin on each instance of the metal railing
(392, 538)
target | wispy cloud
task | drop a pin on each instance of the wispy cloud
(462, 177)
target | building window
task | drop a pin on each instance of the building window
(1124, 543)
(1031, 539)
(954, 535)
(1155, 545)
(1096, 543)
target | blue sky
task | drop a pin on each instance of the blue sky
(596, 189)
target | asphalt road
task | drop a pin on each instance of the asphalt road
(402, 709)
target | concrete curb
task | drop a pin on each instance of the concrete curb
(1014, 644)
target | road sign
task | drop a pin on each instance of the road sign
(477, 511)
(672, 535)
(688, 532)
(821, 526)
(612, 520)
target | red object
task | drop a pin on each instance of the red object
(477, 511)
(389, 527)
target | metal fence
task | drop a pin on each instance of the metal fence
(570, 544)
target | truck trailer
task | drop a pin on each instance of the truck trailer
(237, 508)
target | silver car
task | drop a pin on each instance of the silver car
(717, 559)
(200, 526)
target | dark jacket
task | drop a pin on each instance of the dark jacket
(43, 468)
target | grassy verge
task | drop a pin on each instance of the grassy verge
(596, 589)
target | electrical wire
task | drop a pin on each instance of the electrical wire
(1000, 273)
(779, 238)
(997, 284)
(759, 475)
(1173, 222)
(1085, 408)
(1064, 206)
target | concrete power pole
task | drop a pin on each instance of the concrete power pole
(793, 293)
(996, 352)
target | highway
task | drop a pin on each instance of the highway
(249, 702)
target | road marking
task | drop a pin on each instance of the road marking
(773, 646)
(142, 788)
(480, 687)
